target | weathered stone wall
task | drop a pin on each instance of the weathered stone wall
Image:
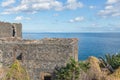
(39, 56)
(18, 29)
(6, 29)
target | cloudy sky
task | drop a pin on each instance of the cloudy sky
(63, 15)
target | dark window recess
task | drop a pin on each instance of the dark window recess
(19, 57)
(47, 77)
(13, 31)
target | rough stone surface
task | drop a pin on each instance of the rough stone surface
(6, 29)
(38, 56)
(94, 72)
(115, 75)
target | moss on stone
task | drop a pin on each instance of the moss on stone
(16, 72)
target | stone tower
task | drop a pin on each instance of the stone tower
(10, 30)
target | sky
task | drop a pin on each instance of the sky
(62, 15)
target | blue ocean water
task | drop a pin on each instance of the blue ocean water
(90, 44)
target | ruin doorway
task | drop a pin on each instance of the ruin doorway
(19, 57)
(47, 77)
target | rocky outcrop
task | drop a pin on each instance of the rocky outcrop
(94, 71)
(115, 75)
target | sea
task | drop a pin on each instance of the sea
(89, 44)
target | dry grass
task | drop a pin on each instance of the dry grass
(97, 73)
(16, 72)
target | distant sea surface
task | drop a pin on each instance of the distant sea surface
(90, 44)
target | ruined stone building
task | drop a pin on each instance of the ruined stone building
(10, 30)
(39, 57)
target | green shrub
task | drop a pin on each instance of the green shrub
(84, 66)
(112, 62)
(71, 71)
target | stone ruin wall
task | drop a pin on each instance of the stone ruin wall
(18, 29)
(39, 56)
(6, 29)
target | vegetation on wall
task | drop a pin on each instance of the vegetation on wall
(112, 62)
(16, 72)
(71, 71)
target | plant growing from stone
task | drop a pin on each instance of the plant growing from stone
(84, 66)
(71, 71)
(112, 62)
(16, 72)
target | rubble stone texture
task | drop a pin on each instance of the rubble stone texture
(37, 56)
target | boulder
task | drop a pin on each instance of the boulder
(94, 71)
(115, 75)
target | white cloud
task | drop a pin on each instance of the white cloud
(56, 14)
(34, 12)
(73, 4)
(38, 5)
(47, 4)
(111, 9)
(19, 18)
(95, 25)
(116, 14)
(112, 1)
(92, 7)
(19, 8)
(71, 21)
(27, 18)
(77, 19)
(41, 6)
(7, 3)
(57, 5)
(5, 13)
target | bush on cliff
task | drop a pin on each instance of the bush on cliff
(71, 71)
(16, 72)
(112, 62)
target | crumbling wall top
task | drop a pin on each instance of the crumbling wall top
(62, 41)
